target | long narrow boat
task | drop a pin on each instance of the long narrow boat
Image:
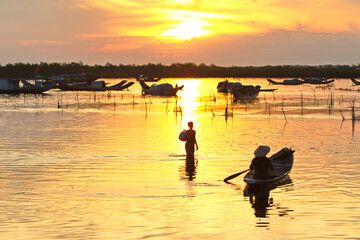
(96, 87)
(32, 90)
(12, 86)
(318, 80)
(282, 161)
(294, 81)
(355, 81)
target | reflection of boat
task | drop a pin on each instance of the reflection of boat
(69, 78)
(12, 86)
(147, 79)
(259, 200)
(259, 196)
(355, 81)
(294, 81)
(282, 161)
(94, 86)
(163, 89)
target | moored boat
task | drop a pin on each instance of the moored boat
(294, 81)
(94, 86)
(246, 92)
(228, 87)
(282, 162)
(355, 81)
(238, 90)
(17, 86)
(318, 80)
(163, 89)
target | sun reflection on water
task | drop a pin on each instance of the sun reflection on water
(189, 97)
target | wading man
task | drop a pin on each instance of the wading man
(190, 142)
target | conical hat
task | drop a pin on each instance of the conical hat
(261, 151)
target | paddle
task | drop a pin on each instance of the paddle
(238, 174)
(235, 175)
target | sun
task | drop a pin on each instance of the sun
(187, 29)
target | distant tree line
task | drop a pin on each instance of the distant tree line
(178, 70)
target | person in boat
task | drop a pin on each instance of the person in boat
(261, 163)
(190, 142)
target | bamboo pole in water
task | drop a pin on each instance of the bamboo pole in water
(342, 115)
(167, 105)
(302, 103)
(282, 109)
(146, 109)
(114, 101)
(269, 109)
(214, 96)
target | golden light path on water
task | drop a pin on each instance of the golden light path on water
(111, 166)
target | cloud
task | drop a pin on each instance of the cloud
(234, 31)
(26, 43)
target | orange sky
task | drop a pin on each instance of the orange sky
(241, 32)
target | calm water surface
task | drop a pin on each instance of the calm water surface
(84, 165)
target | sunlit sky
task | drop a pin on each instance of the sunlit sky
(224, 33)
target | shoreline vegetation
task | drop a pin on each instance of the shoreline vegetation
(178, 70)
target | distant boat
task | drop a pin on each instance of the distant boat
(12, 86)
(318, 80)
(294, 81)
(239, 90)
(69, 78)
(246, 92)
(355, 81)
(227, 87)
(94, 86)
(147, 79)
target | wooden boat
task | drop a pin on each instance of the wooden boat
(228, 87)
(12, 86)
(95, 86)
(282, 161)
(316, 80)
(239, 91)
(355, 81)
(246, 92)
(163, 89)
(294, 81)
(258, 189)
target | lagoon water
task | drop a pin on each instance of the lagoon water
(85, 165)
